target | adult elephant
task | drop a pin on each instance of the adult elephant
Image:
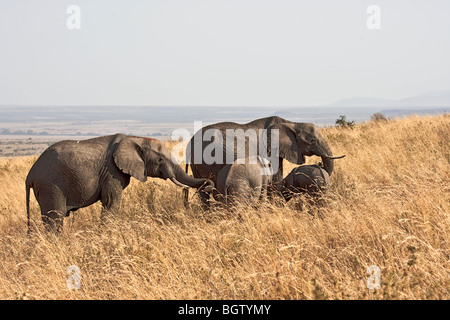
(295, 141)
(74, 174)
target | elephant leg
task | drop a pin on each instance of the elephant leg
(204, 196)
(263, 194)
(186, 197)
(270, 192)
(287, 195)
(279, 175)
(53, 209)
(110, 199)
(53, 220)
(205, 199)
(186, 190)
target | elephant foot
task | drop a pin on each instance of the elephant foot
(186, 197)
(53, 221)
(107, 215)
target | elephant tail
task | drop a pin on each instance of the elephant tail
(224, 194)
(27, 191)
(186, 190)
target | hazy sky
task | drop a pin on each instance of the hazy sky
(220, 52)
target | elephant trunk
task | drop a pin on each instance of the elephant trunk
(328, 164)
(327, 158)
(323, 150)
(176, 182)
(182, 179)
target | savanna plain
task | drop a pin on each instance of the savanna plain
(388, 206)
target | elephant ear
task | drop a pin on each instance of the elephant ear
(288, 143)
(264, 162)
(129, 158)
(266, 166)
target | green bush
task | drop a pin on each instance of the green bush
(343, 122)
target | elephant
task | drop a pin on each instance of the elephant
(244, 182)
(310, 179)
(74, 174)
(295, 141)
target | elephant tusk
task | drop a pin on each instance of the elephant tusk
(208, 188)
(176, 182)
(334, 157)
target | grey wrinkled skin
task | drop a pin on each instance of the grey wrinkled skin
(296, 140)
(243, 183)
(74, 174)
(309, 179)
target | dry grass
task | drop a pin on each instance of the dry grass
(389, 206)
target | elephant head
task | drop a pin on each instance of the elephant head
(144, 157)
(297, 140)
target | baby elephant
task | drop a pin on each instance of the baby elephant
(309, 179)
(244, 183)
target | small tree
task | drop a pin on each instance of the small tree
(344, 123)
(378, 117)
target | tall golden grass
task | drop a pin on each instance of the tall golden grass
(389, 206)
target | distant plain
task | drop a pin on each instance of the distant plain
(29, 130)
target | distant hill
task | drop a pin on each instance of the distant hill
(427, 99)
(363, 102)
